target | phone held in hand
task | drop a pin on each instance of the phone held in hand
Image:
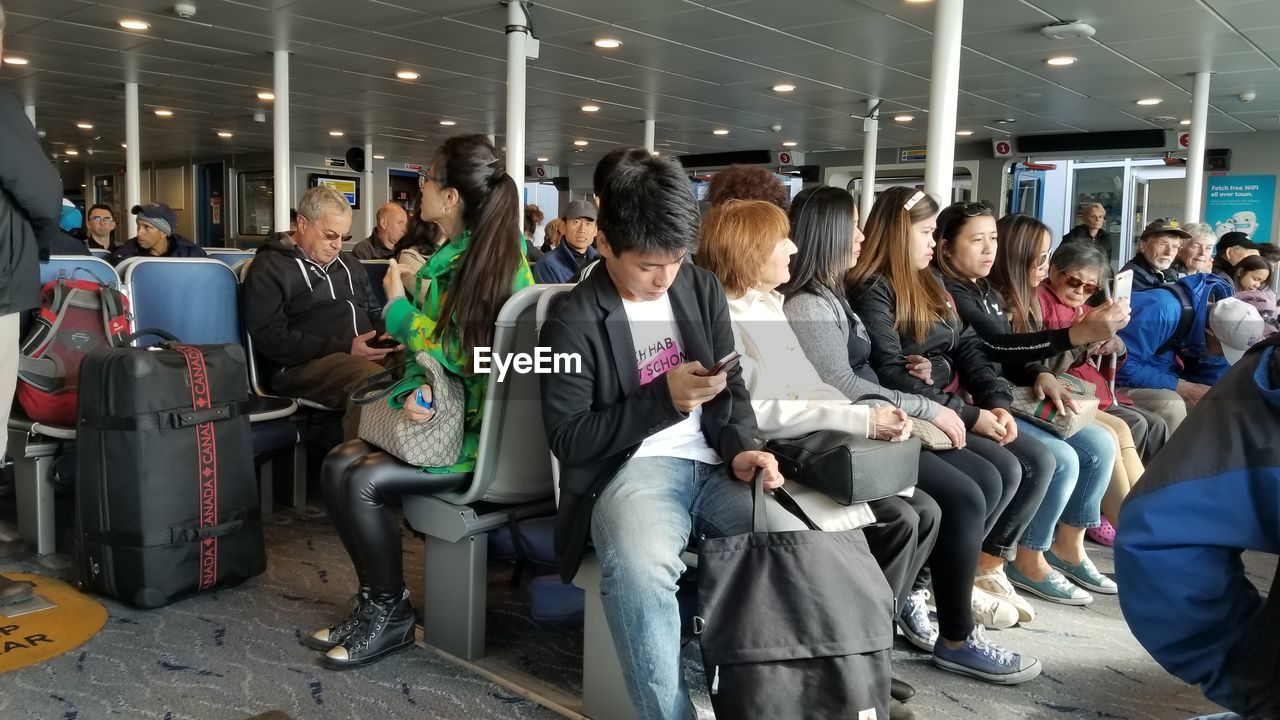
(1123, 286)
(727, 363)
(387, 343)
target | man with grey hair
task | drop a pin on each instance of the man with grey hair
(30, 207)
(311, 311)
(392, 221)
(1093, 230)
(1196, 255)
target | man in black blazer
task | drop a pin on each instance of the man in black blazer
(652, 448)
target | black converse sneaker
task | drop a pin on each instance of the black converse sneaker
(383, 628)
(326, 639)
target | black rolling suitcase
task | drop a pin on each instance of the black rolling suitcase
(166, 496)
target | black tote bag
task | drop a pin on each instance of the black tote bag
(848, 468)
(794, 624)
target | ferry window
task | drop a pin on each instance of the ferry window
(255, 202)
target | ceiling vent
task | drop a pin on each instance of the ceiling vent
(1071, 30)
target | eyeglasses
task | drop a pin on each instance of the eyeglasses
(1076, 283)
(101, 219)
(329, 235)
(1041, 260)
(425, 177)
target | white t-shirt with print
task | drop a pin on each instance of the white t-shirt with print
(658, 349)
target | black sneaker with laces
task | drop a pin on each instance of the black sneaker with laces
(383, 628)
(326, 639)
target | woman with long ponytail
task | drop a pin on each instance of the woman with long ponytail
(468, 193)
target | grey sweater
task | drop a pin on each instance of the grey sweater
(823, 328)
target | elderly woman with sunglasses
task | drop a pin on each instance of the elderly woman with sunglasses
(993, 293)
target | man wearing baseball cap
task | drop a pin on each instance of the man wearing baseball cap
(1232, 248)
(574, 251)
(1206, 498)
(1157, 249)
(157, 236)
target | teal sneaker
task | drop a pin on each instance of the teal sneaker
(1054, 588)
(1085, 574)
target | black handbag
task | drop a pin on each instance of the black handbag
(793, 624)
(847, 468)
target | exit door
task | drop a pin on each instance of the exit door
(1026, 191)
(210, 205)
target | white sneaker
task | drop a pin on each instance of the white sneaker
(996, 584)
(993, 612)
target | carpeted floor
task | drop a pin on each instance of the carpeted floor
(237, 652)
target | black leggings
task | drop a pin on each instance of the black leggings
(360, 484)
(970, 492)
(1026, 467)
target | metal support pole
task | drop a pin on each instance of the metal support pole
(871, 127)
(282, 195)
(132, 159)
(517, 34)
(650, 128)
(1195, 148)
(944, 89)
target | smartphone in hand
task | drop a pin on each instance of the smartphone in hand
(1123, 286)
(727, 363)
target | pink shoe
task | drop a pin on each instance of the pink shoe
(1104, 534)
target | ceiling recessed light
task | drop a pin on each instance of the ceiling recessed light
(123, 145)
(224, 134)
(580, 143)
(84, 125)
(266, 95)
(964, 133)
(918, 1)
(1185, 122)
(903, 118)
(164, 113)
(129, 24)
(15, 60)
(335, 133)
(408, 75)
(784, 87)
(543, 159)
(1149, 101)
(608, 43)
(721, 131)
(790, 143)
(590, 108)
(379, 157)
(1061, 60)
(73, 152)
(448, 123)
(1006, 121)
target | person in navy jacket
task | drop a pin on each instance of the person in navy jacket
(575, 251)
(1211, 494)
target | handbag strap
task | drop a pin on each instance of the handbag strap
(759, 523)
(378, 386)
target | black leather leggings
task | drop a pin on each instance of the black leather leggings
(361, 484)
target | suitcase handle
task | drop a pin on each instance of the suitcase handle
(162, 334)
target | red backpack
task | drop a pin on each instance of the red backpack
(76, 317)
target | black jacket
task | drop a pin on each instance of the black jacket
(597, 418)
(1020, 355)
(952, 347)
(1102, 242)
(179, 247)
(297, 311)
(30, 208)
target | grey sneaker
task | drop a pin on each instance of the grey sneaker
(981, 658)
(914, 621)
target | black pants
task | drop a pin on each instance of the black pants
(360, 485)
(970, 492)
(903, 537)
(1149, 430)
(1026, 467)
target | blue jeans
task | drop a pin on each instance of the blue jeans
(640, 526)
(1084, 468)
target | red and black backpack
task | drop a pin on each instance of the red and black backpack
(76, 317)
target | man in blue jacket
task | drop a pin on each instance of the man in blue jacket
(1171, 360)
(1181, 533)
(574, 252)
(157, 236)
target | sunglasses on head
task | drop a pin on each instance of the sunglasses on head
(425, 177)
(973, 209)
(1076, 283)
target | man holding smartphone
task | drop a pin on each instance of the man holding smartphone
(653, 449)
